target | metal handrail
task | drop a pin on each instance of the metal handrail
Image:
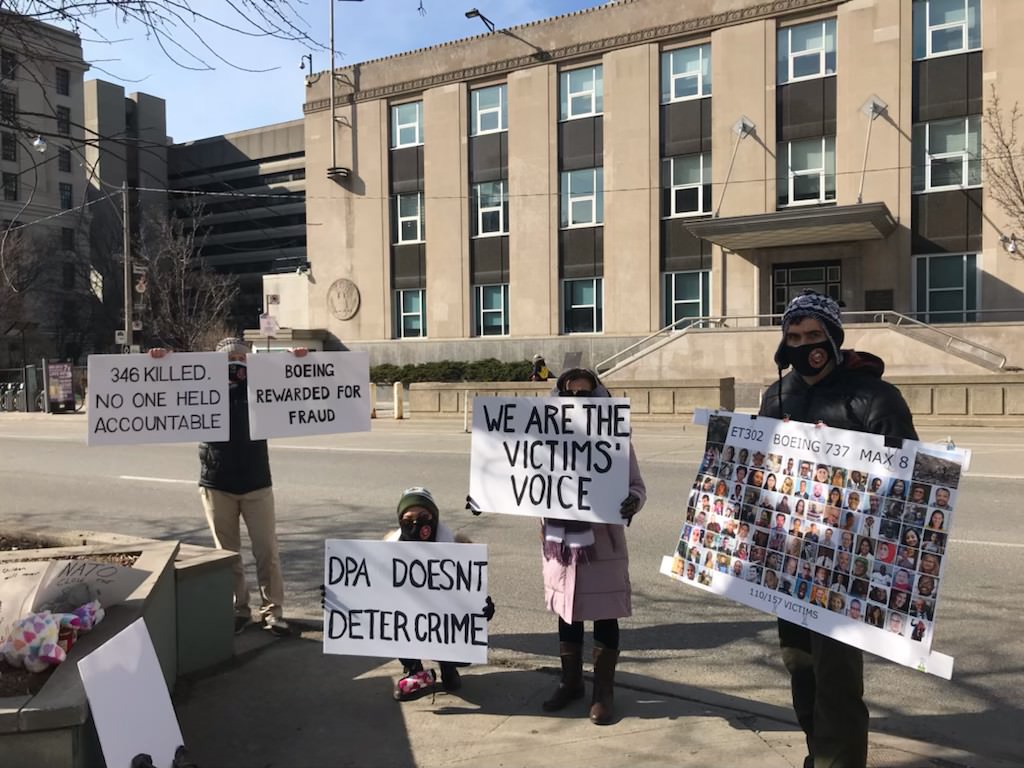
(898, 321)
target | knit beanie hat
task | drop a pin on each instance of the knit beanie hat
(232, 344)
(417, 497)
(820, 307)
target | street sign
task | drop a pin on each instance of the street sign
(273, 298)
(126, 349)
(136, 325)
(120, 337)
(135, 348)
(268, 325)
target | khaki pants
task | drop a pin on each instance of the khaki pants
(223, 513)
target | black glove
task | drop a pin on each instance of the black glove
(472, 507)
(323, 596)
(629, 507)
(182, 759)
(142, 760)
(489, 609)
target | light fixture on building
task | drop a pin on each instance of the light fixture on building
(874, 107)
(39, 144)
(473, 13)
(743, 127)
(337, 173)
(1010, 244)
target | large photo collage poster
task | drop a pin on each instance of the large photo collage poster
(828, 528)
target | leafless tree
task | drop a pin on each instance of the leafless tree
(185, 301)
(1003, 153)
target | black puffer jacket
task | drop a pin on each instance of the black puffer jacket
(852, 397)
(239, 465)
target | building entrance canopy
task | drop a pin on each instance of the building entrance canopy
(798, 226)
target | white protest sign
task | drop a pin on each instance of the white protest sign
(832, 529)
(556, 457)
(128, 699)
(18, 584)
(406, 600)
(319, 394)
(180, 398)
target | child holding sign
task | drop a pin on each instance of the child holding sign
(586, 577)
(418, 521)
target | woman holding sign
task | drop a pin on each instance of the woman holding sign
(586, 578)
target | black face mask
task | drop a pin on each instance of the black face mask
(236, 372)
(421, 529)
(810, 359)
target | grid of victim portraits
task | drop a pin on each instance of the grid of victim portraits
(868, 547)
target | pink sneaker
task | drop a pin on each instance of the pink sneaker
(414, 685)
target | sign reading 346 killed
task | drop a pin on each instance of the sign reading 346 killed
(319, 394)
(406, 600)
(182, 397)
(842, 532)
(556, 457)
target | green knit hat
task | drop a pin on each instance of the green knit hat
(416, 497)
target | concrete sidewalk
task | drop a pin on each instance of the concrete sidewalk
(283, 704)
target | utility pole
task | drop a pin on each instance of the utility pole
(125, 207)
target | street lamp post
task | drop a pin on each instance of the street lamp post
(333, 171)
(126, 234)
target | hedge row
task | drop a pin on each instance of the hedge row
(452, 370)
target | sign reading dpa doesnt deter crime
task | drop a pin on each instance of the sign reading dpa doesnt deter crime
(406, 600)
(555, 457)
(318, 394)
(180, 398)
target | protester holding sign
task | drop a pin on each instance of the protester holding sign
(418, 520)
(843, 389)
(586, 578)
(234, 483)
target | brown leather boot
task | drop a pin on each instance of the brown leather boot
(604, 685)
(570, 687)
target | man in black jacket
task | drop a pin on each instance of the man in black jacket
(842, 389)
(234, 483)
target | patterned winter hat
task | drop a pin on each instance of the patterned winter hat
(232, 345)
(416, 497)
(820, 307)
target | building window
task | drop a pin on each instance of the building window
(8, 107)
(64, 159)
(408, 218)
(64, 121)
(8, 146)
(583, 301)
(581, 93)
(10, 186)
(490, 201)
(947, 154)
(807, 171)
(687, 295)
(8, 65)
(410, 313)
(946, 288)
(806, 50)
(582, 198)
(686, 73)
(792, 279)
(67, 238)
(62, 81)
(490, 110)
(66, 196)
(490, 310)
(407, 125)
(942, 27)
(686, 181)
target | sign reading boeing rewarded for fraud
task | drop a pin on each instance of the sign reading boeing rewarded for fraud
(556, 457)
(406, 600)
(318, 394)
(843, 532)
(180, 398)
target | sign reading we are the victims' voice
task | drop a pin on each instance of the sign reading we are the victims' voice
(138, 399)
(318, 394)
(554, 457)
(405, 600)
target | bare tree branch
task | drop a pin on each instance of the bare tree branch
(1003, 154)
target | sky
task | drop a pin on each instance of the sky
(230, 98)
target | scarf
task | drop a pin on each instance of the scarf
(568, 541)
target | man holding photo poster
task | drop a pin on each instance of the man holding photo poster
(842, 389)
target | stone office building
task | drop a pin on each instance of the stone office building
(578, 183)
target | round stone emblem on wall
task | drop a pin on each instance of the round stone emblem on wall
(343, 299)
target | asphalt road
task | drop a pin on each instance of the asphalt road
(679, 640)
